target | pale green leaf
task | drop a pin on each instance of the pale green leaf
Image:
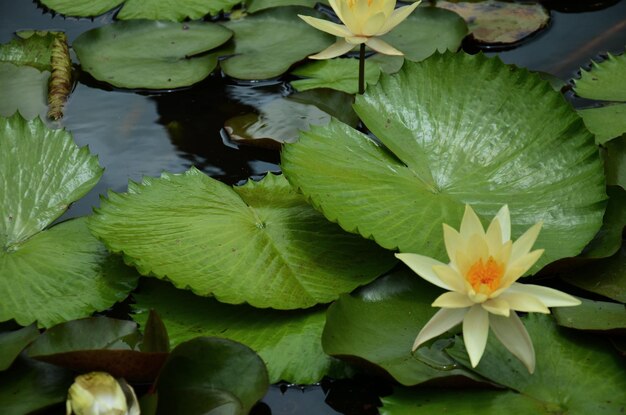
(338, 74)
(592, 315)
(605, 122)
(24, 90)
(605, 80)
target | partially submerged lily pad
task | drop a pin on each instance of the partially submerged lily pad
(521, 144)
(289, 342)
(149, 54)
(24, 90)
(260, 243)
(499, 22)
(142, 9)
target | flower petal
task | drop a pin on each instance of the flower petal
(453, 299)
(397, 17)
(524, 302)
(372, 25)
(451, 277)
(548, 296)
(383, 47)
(497, 306)
(494, 236)
(524, 243)
(442, 321)
(513, 335)
(477, 248)
(453, 241)
(326, 26)
(515, 269)
(336, 49)
(475, 332)
(336, 8)
(470, 224)
(423, 266)
(504, 217)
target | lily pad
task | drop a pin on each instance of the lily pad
(338, 74)
(615, 162)
(269, 42)
(288, 342)
(206, 373)
(606, 277)
(13, 342)
(254, 6)
(142, 9)
(379, 325)
(609, 238)
(604, 81)
(574, 374)
(24, 90)
(605, 122)
(592, 315)
(499, 22)
(521, 144)
(30, 48)
(98, 344)
(149, 54)
(260, 243)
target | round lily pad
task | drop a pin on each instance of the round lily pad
(24, 90)
(150, 54)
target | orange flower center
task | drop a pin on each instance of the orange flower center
(485, 276)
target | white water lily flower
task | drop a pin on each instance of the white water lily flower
(363, 21)
(98, 393)
(483, 292)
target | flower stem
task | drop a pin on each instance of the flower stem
(362, 69)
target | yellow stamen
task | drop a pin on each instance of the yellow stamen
(485, 277)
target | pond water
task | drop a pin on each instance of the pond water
(137, 133)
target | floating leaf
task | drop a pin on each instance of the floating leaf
(288, 342)
(253, 6)
(592, 315)
(604, 81)
(260, 243)
(13, 342)
(609, 238)
(606, 277)
(615, 162)
(147, 54)
(379, 325)
(338, 74)
(62, 273)
(207, 373)
(24, 90)
(494, 21)
(142, 9)
(269, 42)
(573, 374)
(98, 344)
(521, 145)
(31, 48)
(605, 122)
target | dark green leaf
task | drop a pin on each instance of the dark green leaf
(155, 337)
(30, 48)
(609, 238)
(13, 342)
(606, 277)
(592, 315)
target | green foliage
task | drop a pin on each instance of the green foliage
(24, 90)
(605, 122)
(606, 277)
(30, 48)
(13, 342)
(147, 54)
(455, 129)
(338, 74)
(604, 81)
(592, 315)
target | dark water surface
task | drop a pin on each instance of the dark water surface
(142, 133)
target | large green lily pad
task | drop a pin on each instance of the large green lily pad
(62, 273)
(605, 80)
(24, 90)
(592, 315)
(574, 374)
(149, 54)
(207, 373)
(288, 342)
(269, 42)
(142, 9)
(260, 243)
(379, 324)
(455, 129)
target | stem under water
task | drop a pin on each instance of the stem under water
(362, 69)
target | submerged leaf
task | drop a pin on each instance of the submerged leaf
(24, 90)
(31, 48)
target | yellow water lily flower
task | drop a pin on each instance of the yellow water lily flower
(98, 393)
(483, 292)
(363, 21)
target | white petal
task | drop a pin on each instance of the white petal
(423, 266)
(398, 16)
(504, 217)
(524, 302)
(336, 9)
(477, 248)
(383, 47)
(452, 240)
(336, 49)
(442, 321)
(475, 332)
(326, 26)
(452, 278)
(548, 296)
(515, 269)
(524, 243)
(372, 25)
(452, 299)
(494, 236)
(513, 335)
(497, 306)
(470, 224)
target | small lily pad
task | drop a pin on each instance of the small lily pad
(499, 22)
(24, 90)
(149, 54)
(592, 315)
(339, 74)
(605, 122)
(13, 342)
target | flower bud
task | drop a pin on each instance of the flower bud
(98, 393)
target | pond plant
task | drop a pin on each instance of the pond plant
(186, 295)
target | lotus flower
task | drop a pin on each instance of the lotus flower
(483, 292)
(98, 393)
(363, 21)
